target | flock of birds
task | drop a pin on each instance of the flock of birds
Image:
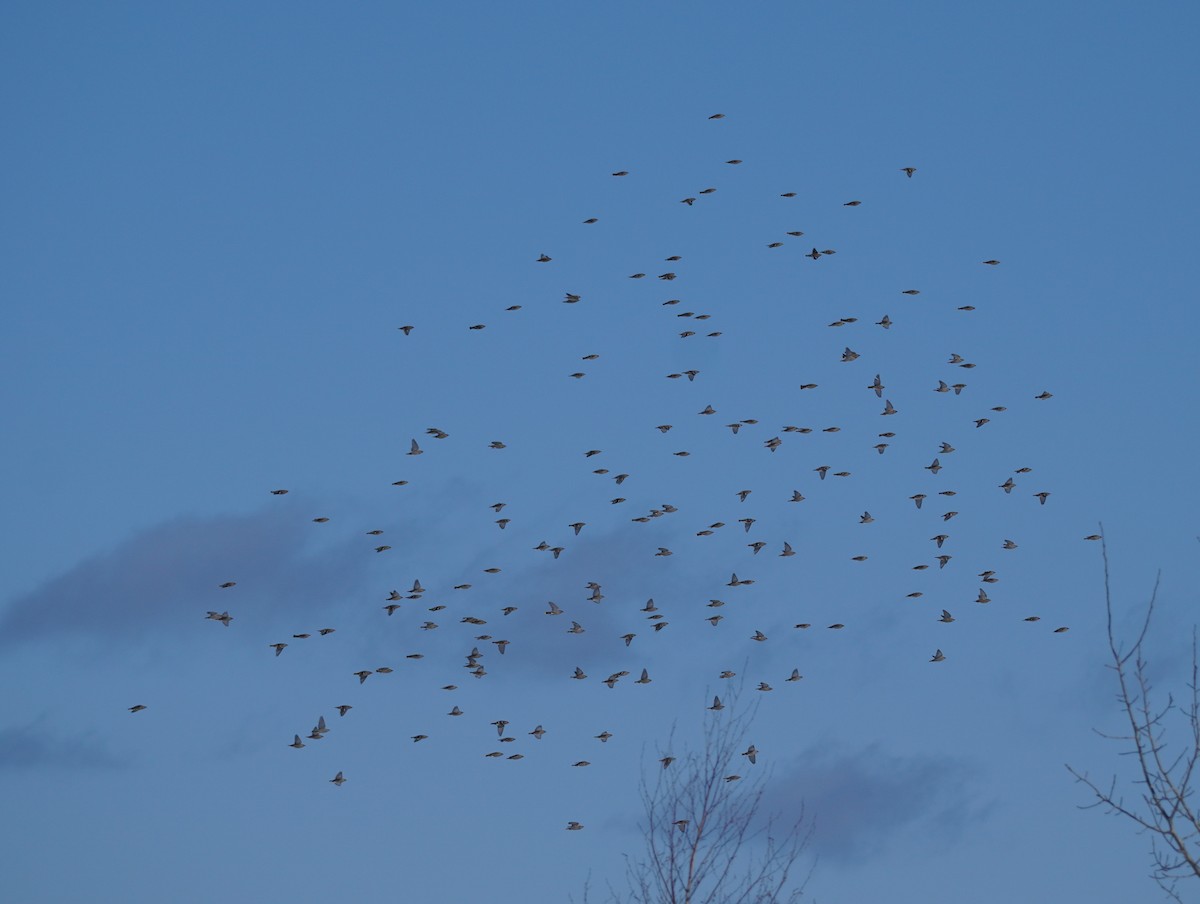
(483, 644)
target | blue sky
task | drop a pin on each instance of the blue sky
(215, 219)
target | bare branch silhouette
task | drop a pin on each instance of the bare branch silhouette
(1164, 806)
(707, 838)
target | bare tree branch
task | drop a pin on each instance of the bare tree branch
(707, 839)
(1164, 809)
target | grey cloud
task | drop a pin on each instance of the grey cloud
(169, 573)
(861, 801)
(35, 747)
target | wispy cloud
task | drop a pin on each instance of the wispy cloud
(170, 574)
(860, 801)
(35, 747)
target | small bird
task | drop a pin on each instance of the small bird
(574, 826)
(1009, 544)
(938, 656)
(908, 170)
(934, 467)
(795, 676)
(343, 709)
(645, 679)
(946, 617)
(415, 449)
(137, 708)
(1041, 497)
(363, 675)
(849, 355)
(751, 753)
(852, 203)
(603, 736)
(865, 518)
(278, 647)
(297, 743)
(1008, 485)
(279, 492)
(918, 498)
(1062, 630)
(717, 705)
(406, 329)
(1044, 395)
(787, 549)
(338, 779)
(538, 732)
(544, 258)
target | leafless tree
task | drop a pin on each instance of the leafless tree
(1164, 807)
(707, 839)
